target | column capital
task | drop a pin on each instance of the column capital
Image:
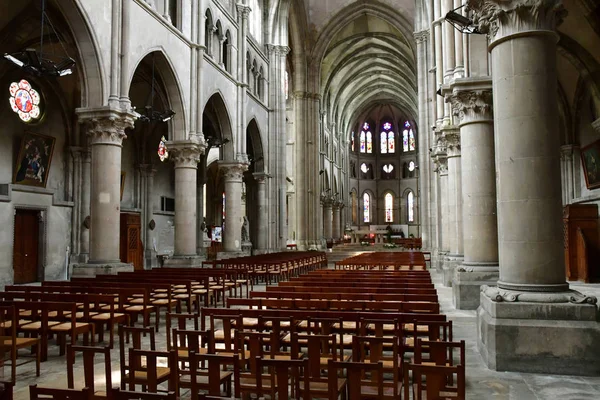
(472, 104)
(421, 36)
(278, 50)
(327, 200)
(106, 125)
(503, 18)
(76, 152)
(185, 153)
(243, 10)
(261, 177)
(232, 171)
(440, 164)
(451, 135)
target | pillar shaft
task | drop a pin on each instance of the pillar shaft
(335, 228)
(84, 207)
(472, 103)
(185, 155)
(454, 192)
(232, 235)
(327, 219)
(261, 199)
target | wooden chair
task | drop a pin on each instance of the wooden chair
(357, 386)
(281, 372)
(136, 341)
(184, 342)
(118, 394)
(431, 382)
(6, 390)
(41, 393)
(371, 349)
(206, 373)
(438, 353)
(66, 313)
(179, 322)
(89, 353)
(150, 374)
(11, 343)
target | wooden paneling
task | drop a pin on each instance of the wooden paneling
(131, 248)
(582, 242)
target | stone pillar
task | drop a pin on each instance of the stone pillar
(106, 132)
(455, 228)
(327, 203)
(440, 161)
(335, 228)
(261, 199)
(148, 224)
(531, 321)
(472, 103)
(185, 156)
(567, 173)
(84, 207)
(232, 236)
(201, 235)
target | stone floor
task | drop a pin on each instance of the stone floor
(482, 383)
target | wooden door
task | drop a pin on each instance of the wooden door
(131, 249)
(26, 246)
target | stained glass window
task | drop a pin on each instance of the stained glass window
(223, 224)
(408, 137)
(362, 142)
(369, 142)
(389, 208)
(405, 140)
(364, 168)
(384, 143)
(388, 168)
(366, 208)
(24, 100)
(391, 142)
(352, 141)
(410, 199)
(411, 166)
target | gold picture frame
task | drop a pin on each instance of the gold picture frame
(32, 165)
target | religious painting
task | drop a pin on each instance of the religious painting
(590, 158)
(33, 162)
(122, 184)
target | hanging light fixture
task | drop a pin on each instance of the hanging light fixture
(460, 22)
(41, 65)
(150, 114)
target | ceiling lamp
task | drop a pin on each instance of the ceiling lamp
(460, 22)
(38, 64)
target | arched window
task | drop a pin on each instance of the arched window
(208, 27)
(223, 212)
(225, 51)
(408, 138)
(369, 142)
(410, 206)
(174, 13)
(352, 141)
(388, 144)
(366, 207)
(362, 142)
(389, 208)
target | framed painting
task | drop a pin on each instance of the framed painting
(590, 158)
(33, 162)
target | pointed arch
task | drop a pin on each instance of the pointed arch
(165, 72)
(255, 145)
(216, 110)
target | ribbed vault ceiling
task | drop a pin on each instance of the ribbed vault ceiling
(368, 62)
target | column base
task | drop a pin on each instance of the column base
(224, 255)
(439, 261)
(90, 270)
(193, 261)
(467, 282)
(549, 333)
(450, 263)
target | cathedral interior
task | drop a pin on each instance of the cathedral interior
(140, 134)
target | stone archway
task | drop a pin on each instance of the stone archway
(255, 184)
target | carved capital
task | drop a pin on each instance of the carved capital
(260, 177)
(421, 36)
(277, 50)
(232, 172)
(327, 200)
(105, 125)
(502, 18)
(472, 105)
(451, 137)
(243, 10)
(185, 154)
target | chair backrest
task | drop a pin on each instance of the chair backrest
(179, 321)
(280, 372)
(8, 323)
(319, 346)
(89, 354)
(118, 394)
(229, 323)
(430, 380)
(257, 343)
(213, 370)
(354, 374)
(150, 367)
(41, 393)
(440, 353)
(193, 340)
(136, 334)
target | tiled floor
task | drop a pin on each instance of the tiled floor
(482, 383)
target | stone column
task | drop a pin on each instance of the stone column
(327, 203)
(440, 160)
(106, 132)
(472, 103)
(531, 321)
(261, 199)
(84, 208)
(567, 173)
(455, 228)
(233, 176)
(335, 229)
(185, 155)
(201, 235)
(148, 223)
